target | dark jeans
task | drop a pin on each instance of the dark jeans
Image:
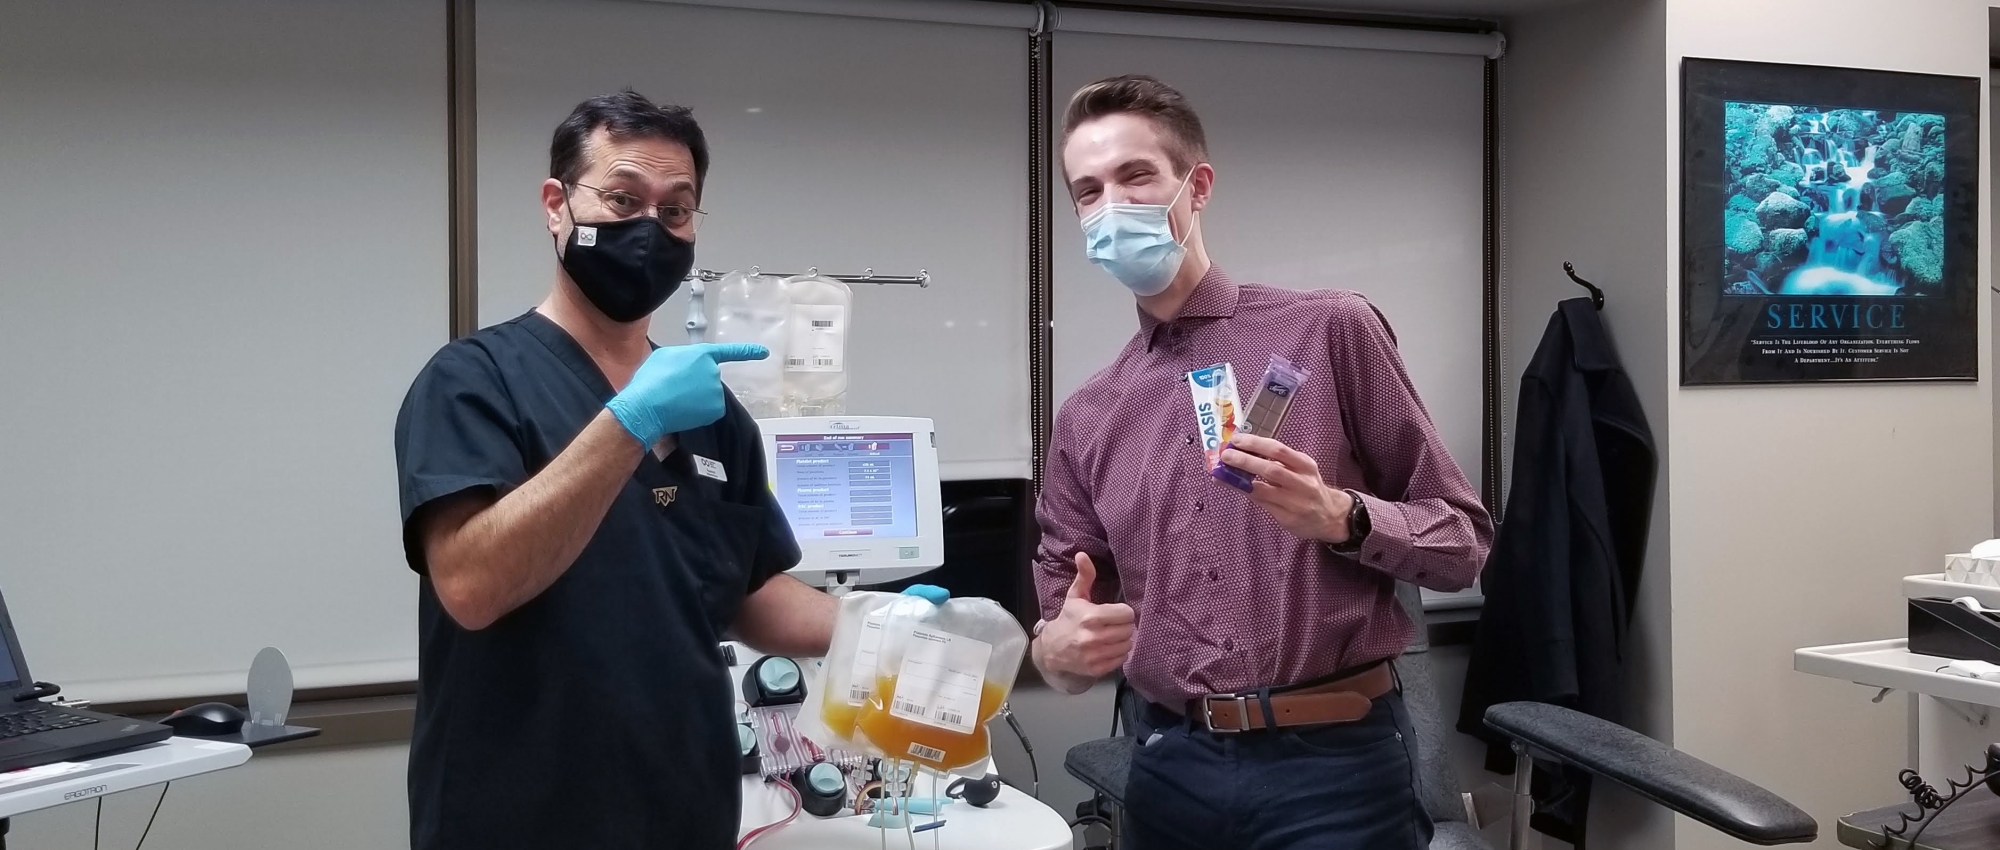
(1348, 786)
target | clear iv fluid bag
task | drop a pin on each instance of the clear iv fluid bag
(754, 309)
(815, 360)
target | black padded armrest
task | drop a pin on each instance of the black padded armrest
(1655, 771)
(1102, 765)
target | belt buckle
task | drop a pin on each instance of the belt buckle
(1242, 714)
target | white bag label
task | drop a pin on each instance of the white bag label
(862, 685)
(819, 338)
(941, 681)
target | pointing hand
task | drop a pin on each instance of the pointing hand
(677, 389)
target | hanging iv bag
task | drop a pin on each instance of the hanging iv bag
(815, 359)
(754, 309)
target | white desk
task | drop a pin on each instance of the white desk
(1954, 714)
(1015, 821)
(37, 788)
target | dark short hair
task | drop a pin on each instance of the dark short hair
(1138, 94)
(625, 115)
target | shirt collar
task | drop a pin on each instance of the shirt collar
(1214, 297)
(569, 351)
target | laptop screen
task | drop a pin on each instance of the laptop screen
(10, 678)
(11, 673)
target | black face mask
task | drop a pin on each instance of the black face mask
(627, 268)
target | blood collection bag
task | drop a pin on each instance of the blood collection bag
(847, 677)
(943, 668)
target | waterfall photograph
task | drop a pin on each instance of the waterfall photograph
(1833, 201)
(1829, 224)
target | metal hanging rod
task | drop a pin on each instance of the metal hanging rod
(921, 278)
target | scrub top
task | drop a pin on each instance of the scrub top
(599, 714)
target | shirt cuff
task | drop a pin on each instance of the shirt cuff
(1388, 545)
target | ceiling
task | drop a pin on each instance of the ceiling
(1487, 9)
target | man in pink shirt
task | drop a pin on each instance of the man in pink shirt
(1258, 627)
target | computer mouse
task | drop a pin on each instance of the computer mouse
(206, 719)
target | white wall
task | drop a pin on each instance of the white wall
(225, 261)
(1796, 509)
(1584, 131)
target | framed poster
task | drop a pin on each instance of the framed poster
(1829, 224)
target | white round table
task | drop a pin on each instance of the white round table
(1014, 821)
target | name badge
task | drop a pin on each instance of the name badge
(710, 469)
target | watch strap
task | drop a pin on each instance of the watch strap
(1358, 527)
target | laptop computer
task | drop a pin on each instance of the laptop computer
(35, 733)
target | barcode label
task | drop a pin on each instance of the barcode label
(817, 338)
(862, 678)
(941, 680)
(925, 753)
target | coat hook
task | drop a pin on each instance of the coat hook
(1596, 295)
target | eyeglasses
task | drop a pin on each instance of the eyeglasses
(627, 205)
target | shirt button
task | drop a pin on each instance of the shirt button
(1214, 576)
(1422, 574)
(1198, 506)
(1190, 441)
(1229, 644)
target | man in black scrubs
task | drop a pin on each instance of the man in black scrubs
(590, 517)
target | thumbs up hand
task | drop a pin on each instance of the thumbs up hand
(1086, 639)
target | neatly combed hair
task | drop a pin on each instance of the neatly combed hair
(1138, 94)
(625, 115)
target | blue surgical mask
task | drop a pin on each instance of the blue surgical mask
(1135, 243)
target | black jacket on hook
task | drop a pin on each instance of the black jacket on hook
(1559, 585)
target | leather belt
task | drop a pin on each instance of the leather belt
(1342, 701)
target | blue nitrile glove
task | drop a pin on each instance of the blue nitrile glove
(678, 389)
(934, 594)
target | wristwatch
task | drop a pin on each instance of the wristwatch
(1358, 527)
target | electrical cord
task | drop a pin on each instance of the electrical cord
(97, 830)
(1034, 770)
(156, 814)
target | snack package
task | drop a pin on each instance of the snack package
(1266, 415)
(943, 669)
(847, 676)
(1214, 392)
